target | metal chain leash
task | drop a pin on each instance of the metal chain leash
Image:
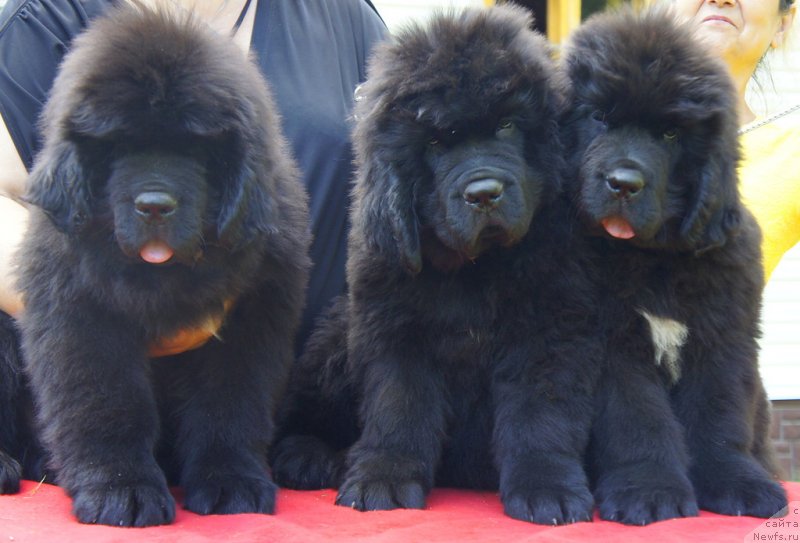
(751, 127)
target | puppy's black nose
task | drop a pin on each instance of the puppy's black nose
(625, 182)
(484, 193)
(155, 207)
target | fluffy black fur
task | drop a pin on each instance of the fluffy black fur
(20, 453)
(682, 417)
(469, 358)
(160, 134)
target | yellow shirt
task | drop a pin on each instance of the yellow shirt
(769, 177)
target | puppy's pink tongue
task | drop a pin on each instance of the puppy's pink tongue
(156, 252)
(618, 228)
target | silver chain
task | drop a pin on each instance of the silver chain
(751, 127)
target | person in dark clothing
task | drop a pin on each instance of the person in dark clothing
(312, 52)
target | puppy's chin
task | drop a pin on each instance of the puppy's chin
(449, 257)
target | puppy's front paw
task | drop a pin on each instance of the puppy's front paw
(379, 480)
(731, 483)
(552, 506)
(230, 493)
(367, 494)
(10, 474)
(737, 496)
(546, 488)
(305, 463)
(644, 494)
(124, 504)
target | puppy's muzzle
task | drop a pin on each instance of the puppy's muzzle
(155, 207)
(483, 194)
(625, 183)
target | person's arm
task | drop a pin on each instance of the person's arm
(12, 170)
(13, 219)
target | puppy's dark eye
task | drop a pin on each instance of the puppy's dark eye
(505, 124)
(599, 116)
(671, 134)
(433, 142)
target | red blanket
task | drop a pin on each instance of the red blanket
(41, 513)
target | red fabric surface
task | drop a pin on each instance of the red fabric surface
(41, 513)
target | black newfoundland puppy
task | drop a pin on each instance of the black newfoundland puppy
(20, 452)
(164, 199)
(682, 418)
(464, 355)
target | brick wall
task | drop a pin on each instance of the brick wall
(785, 434)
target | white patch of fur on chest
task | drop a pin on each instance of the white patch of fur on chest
(668, 337)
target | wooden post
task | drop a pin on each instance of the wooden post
(562, 17)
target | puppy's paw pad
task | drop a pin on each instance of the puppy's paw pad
(124, 505)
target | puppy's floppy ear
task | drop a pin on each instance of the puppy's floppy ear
(58, 185)
(90, 119)
(246, 208)
(390, 222)
(714, 211)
